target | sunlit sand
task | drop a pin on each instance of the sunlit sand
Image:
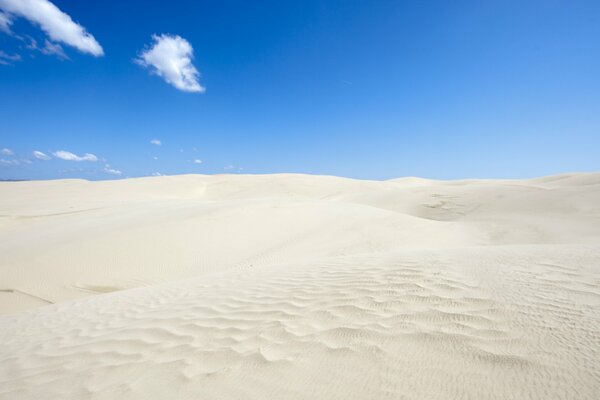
(300, 287)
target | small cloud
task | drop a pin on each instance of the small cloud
(233, 168)
(40, 155)
(8, 162)
(49, 49)
(109, 170)
(170, 57)
(8, 59)
(59, 26)
(197, 161)
(157, 174)
(32, 45)
(54, 49)
(5, 23)
(67, 155)
(155, 158)
(73, 170)
(156, 142)
(7, 152)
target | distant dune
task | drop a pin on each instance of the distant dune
(293, 286)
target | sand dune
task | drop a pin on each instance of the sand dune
(299, 287)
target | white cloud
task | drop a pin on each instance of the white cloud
(67, 155)
(7, 152)
(7, 59)
(5, 22)
(8, 162)
(40, 155)
(109, 170)
(233, 168)
(72, 170)
(57, 25)
(157, 174)
(197, 161)
(170, 57)
(156, 142)
(54, 49)
(32, 45)
(49, 48)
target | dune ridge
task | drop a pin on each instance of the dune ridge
(296, 286)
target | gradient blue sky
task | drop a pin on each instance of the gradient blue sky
(365, 89)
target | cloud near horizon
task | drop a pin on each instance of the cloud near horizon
(112, 171)
(8, 162)
(56, 24)
(68, 156)
(170, 57)
(41, 155)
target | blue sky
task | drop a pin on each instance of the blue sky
(364, 89)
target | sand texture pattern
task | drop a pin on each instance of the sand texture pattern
(300, 287)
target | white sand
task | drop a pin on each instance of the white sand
(300, 287)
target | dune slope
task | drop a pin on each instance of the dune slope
(297, 287)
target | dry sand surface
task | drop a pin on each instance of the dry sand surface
(300, 287)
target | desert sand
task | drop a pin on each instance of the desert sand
(300, 287)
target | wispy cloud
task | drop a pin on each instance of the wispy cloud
(109, 170)
(59, 26)
(233, 168)
(67, 155)
(197, 161)
(7, 152)
(40, 155)
(49, 48)
(156, 142)
(8, 162)
(5, 22)
(7, 59)
(170, 57)
(54, 49)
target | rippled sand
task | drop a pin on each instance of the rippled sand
(300, 287)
